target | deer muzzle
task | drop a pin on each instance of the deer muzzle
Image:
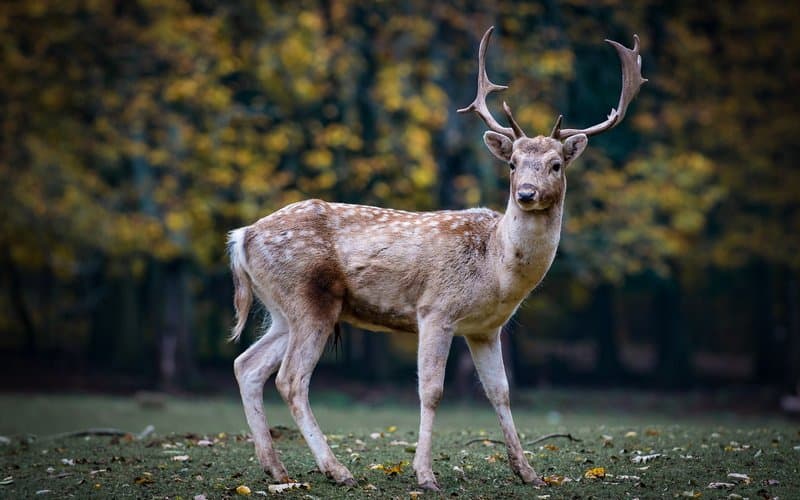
(527, 193)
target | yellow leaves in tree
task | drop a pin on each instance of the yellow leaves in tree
(318, 159)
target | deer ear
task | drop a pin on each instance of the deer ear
(574, 146)
(498, 144)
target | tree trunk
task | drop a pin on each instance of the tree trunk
(176, 365)
(608, 368)
(17, 297)
(674, 367)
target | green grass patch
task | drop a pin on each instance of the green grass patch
(201, 447)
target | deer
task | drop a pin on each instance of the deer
(314, 264)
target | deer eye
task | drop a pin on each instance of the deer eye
(512, 165)
(556, 166)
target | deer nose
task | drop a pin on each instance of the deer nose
(527, 193)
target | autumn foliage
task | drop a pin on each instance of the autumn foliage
(135, 134)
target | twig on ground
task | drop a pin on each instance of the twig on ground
(551, 436)
(535, 441)
(483, 440)
(104, 431)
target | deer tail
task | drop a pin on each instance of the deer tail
(243, 288)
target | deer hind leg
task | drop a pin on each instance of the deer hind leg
(434, 346)
(253, 367)
(488, 358)
(306, 344)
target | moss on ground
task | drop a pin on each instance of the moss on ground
(641, 455)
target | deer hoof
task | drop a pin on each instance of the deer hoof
(430, 485)
(279, 473)
(536, 481)
(348, 482)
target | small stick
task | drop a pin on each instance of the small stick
(551, 436)
(483, 440)
(103, 431)
(535, 441)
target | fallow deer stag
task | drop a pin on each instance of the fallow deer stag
(434, 274)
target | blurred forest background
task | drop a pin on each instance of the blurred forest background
(135, 134)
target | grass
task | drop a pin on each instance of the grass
(693, 450)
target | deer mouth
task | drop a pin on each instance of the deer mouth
(534, 206)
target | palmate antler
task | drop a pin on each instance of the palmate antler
(632, 80)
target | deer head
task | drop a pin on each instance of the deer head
(537, 164)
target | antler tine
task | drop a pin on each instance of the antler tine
(485, 87)
(557, 127)
(632, 80)
(514, 125)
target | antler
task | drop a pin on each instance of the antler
(485, 87)
(631, 82)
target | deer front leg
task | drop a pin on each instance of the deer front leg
(252, 368)
(306, 344)
(434, 346)
(488, 358)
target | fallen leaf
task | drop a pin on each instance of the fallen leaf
(719, 485)
(243, 490)
(494, 457)
(652, 432)
(205, 442)
(371, 487)
(399, 443)
(376, 435)
(42, 492)
(391, 428)
(773, 482)
(414, 494)
(554, 480)
(643, 459)
(68, 461)
(691, 494)
(629, 478)
(630, 434)
(280, 488)
(7, 480)
(595, 473)
(740, 478)
(200, 497)
(551, 447)
(145, 478)
(395, 469)
(181, 458)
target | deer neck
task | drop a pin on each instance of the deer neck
(527, 244)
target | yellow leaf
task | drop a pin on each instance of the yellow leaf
(595, 473)
(551, 447)
(553, 480)
(391, 428)
(243, 490)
